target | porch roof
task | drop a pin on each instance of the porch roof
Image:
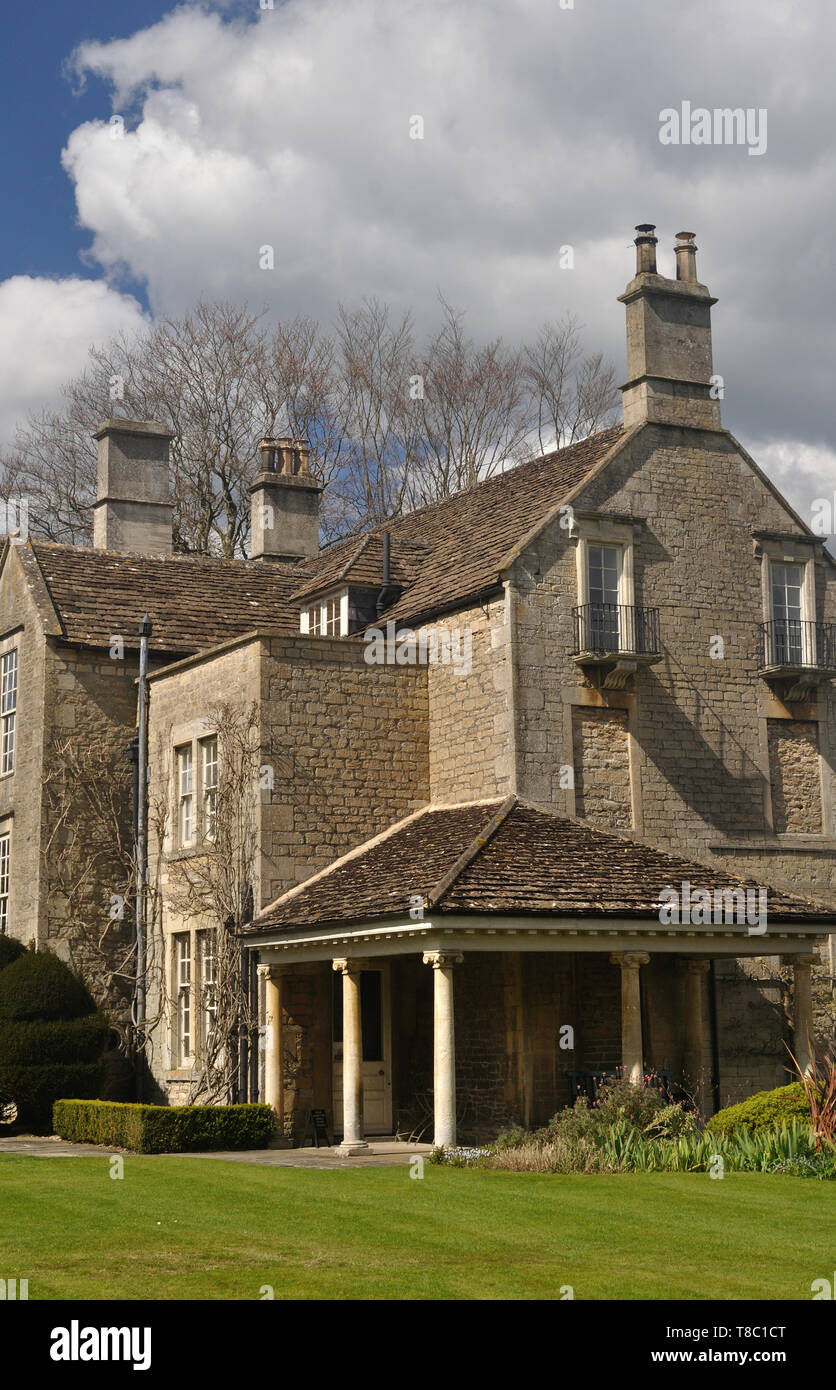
(508, 858)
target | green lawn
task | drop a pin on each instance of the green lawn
(176, 1228)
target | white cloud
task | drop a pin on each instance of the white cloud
(46, 329)
(806, 474)
(290, 127)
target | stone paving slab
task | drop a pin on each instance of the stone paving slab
(384, 1155)
(47, 1146)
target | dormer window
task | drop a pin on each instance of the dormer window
(326, 617)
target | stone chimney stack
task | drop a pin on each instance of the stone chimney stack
(669, 358)
(133, 510)
(284, 505)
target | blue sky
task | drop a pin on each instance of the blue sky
(43, 103)
(290, 127)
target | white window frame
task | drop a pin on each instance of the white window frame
(601, 531)
(184, 754)
(808, 600)
(9, 676)
(184, 1035)
(327, 617)
(5, 878)
(208, 789)
(207, 949)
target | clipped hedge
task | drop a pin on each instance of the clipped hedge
(157, 1129)
(40, 986)
(765, 1110)
(10, 949)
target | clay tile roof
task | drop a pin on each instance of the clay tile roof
(194, 602)
(506, 857)
(465, 538)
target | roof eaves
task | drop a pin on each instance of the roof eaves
(41, 595)
(355, 853)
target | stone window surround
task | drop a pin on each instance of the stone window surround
(9, 643)
(179, 1068)
(322, 604)
(191, 735)
(770, 707)
(788, 551)
(587, 529)
(581, 696)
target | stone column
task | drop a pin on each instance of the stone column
(632, 1058)
(352, 1141)
(693, 1064)
(802, 1021)
(444, 1046)
(273, 1068)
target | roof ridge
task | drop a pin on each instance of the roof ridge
(468, 855)
(497, 477)
(341, 859)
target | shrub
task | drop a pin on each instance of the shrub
(67, 1041)
(10, 949)
(51, 1038)
(34, 1088)
(765, 1110)
(164, 1128)
(40, 986)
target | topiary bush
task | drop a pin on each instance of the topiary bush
(40, 986)
(765, 1110)
(51, 1038)
(154, 1129)
(10, 949)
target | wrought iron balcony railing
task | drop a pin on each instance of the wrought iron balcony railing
(790, 643)
(616, 629)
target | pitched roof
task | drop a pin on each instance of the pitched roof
(444, 553)
(194, 602)
(467, 537)
(505, 857)
(363, 564)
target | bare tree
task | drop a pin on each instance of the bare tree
(571, 395)
(391, 426)
(215, 886)
(88, 866)
(474, 412)
(380, 427)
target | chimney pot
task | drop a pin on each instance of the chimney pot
(646, 249)
(284, 514)
(686, 257)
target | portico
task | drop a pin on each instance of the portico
(618, 997)
(480, 963)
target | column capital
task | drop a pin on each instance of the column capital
(272, 972)
(798, 962)
(439, 960)
(697, 966)
(349, 965)
(630, 960)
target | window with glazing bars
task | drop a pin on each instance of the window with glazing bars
(8, 710)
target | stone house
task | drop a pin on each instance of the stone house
(558, 752)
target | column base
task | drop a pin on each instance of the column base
(347, 1150)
